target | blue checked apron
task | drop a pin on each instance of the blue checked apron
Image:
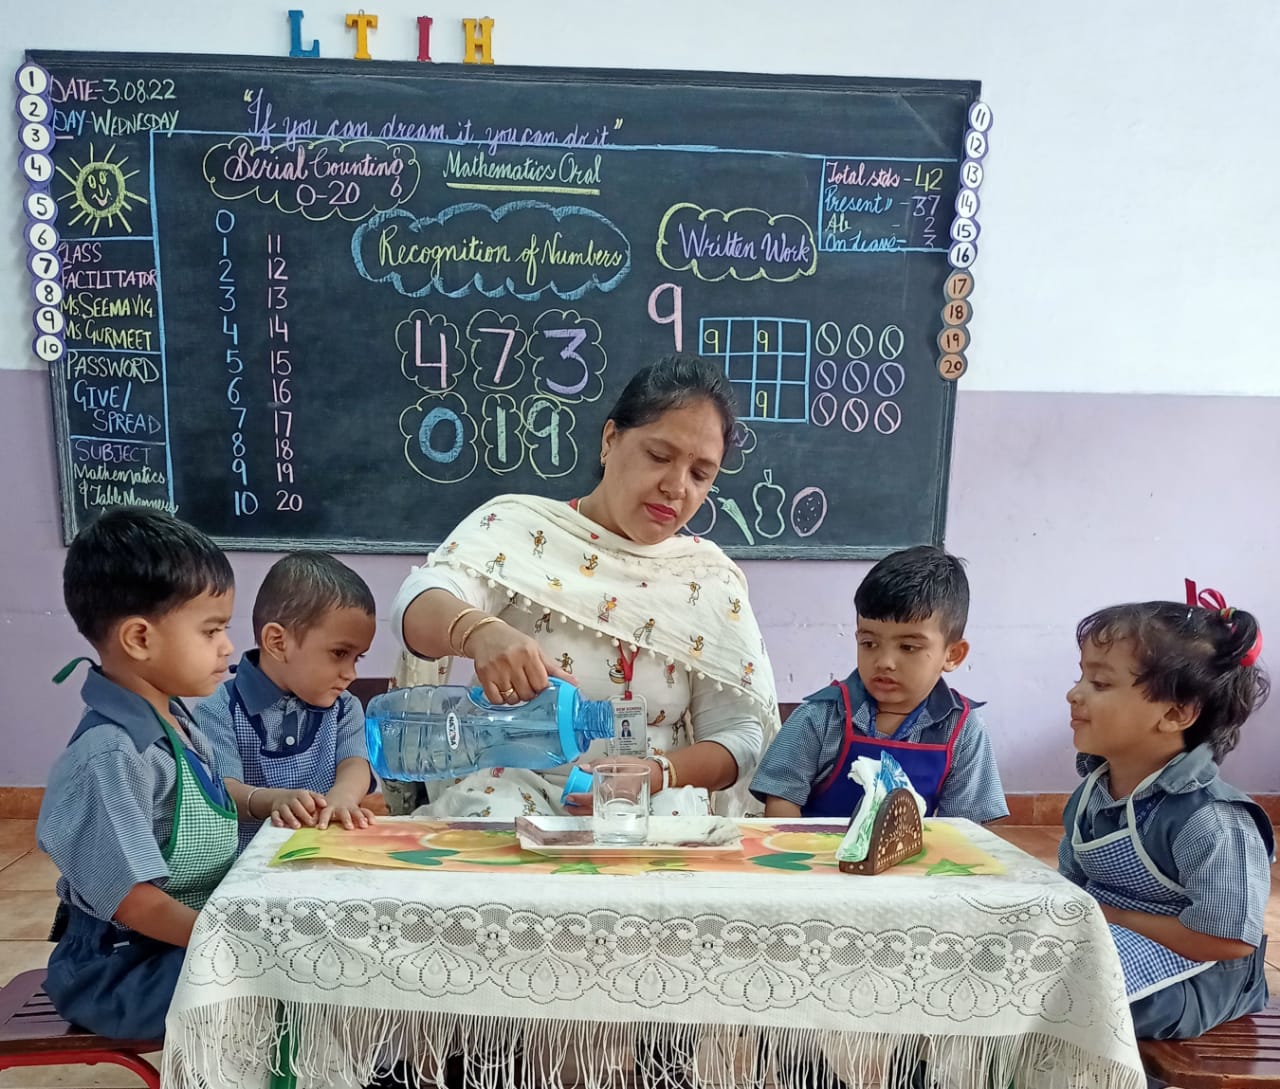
(202, 844)
(314, 766)
(926, 765)
(1120, 873)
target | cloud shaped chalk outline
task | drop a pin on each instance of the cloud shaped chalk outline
(350, 213)
(703, 213)
(418, 224)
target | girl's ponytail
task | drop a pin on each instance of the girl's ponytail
(1241, 685)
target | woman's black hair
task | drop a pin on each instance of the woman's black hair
(674, 382)
(1192, 656)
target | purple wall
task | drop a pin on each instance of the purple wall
(1059, 502)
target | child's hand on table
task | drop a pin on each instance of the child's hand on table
(296, 808)
(349, 816)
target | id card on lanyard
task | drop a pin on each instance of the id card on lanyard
(630, 712)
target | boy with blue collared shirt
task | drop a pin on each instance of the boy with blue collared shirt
(912, 608)
(139, 827)
(288, 737)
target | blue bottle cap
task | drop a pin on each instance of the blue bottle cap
(579, 782)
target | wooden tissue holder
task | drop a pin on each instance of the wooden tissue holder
(896, 835)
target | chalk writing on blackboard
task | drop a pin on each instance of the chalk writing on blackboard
(301, 305)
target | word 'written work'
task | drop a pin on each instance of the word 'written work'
(477, 37)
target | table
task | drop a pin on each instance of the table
(1009, 979)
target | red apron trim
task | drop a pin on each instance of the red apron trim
(949, 747)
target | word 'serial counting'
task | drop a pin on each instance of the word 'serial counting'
(953, 340)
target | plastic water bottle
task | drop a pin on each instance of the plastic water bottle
(446, 731)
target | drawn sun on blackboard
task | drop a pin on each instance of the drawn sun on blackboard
(100, 190)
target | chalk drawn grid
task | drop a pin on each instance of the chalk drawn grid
(766, 360)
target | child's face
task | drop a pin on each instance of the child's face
(1111, 716)
(321, 665)
(187, 649)
(899, 663)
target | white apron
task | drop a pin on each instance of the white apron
(1121, 874)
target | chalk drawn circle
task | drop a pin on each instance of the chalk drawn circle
(808, 511)
(41, 206)
(34, 108)
(827, 339)
(690, 531)
(48, 347)
(959, 285)
(426, 431)
(855, 377)
(853, 417)
(888, 417)
(32, 79)
(889, 380)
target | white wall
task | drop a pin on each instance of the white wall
(1130, 211)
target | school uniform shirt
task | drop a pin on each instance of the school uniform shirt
(108, 808)
(807, 747)
(1215, 851)
(288, 723)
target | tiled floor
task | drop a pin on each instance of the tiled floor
(27, 902)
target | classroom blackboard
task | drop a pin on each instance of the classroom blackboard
(339, 305)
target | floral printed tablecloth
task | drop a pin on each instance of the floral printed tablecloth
(728, 974)
(768, 847)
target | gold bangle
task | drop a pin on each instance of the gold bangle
(448, 635)
(462, 645)
(248, 803)
(671, 775)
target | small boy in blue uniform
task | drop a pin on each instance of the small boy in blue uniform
(140, 829)
(288, 737)
(912, 608)
(1178, 859)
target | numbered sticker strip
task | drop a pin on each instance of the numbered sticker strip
(953, 340)
(36, 159)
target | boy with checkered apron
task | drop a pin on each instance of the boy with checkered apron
(1178, 859)
(287, 735)
(139, 827)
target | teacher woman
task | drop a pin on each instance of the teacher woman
(603, 591)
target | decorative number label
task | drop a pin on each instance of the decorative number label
(959, 285)
(41, 206)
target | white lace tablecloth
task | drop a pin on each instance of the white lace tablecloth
(1009, 980)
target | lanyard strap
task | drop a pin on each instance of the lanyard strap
(628, 667)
